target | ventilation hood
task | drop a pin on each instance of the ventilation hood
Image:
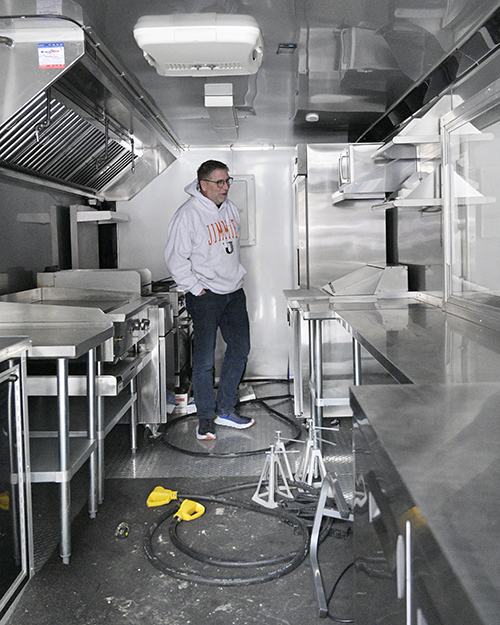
(71, 117)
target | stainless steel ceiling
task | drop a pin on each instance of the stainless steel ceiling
(354, 61)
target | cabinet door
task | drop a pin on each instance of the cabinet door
(13, 502)
(376, 539)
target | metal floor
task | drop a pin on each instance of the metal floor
(235, 453)
(161, 458)
(110, 581)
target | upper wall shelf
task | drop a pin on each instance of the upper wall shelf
(414, 146)
(90, 216)
(101, 217)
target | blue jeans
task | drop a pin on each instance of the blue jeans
(229, 313)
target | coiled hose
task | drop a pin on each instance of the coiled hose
(282, 563)
(282, 569)
(296, 428)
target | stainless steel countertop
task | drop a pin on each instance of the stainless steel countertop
(444, 442)
(61, 340)
(13, 346)
(116, 304)
(415, 341)
(55, 331)
(420, 343)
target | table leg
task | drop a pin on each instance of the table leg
(297, 363)
(133, 416)
(100, 442)
(356, 360)
(93, 460)
(64, 458)
(318, 371)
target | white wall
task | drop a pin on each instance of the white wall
(269, 263)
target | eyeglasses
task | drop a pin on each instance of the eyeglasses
(220, 183)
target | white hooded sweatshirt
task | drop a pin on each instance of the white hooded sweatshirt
(203, 250)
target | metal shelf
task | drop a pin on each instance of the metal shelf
(44, 454)
(43, 415)
(408, 147)
(409, 204)
(101, 217)
(111, 382)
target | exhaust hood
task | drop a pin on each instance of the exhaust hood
(71, 117)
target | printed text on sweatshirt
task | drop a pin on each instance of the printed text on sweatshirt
(221, 231)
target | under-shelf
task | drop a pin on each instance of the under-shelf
(409, 204)
(43, 415)
(423, 147)
(114, 378)
(101, 217)
(44, 456)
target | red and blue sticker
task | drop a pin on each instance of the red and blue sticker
(51, 55)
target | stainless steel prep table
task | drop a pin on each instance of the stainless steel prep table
(435, 452)
(129, 313)
(414, 340)
(419, 343)
(315, 308)
(62, 333)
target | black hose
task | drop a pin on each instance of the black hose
(293, 563)
(235, 454)
(226, 563)
(337, 619)
(267, 398)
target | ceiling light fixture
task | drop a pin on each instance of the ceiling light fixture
(252, 148)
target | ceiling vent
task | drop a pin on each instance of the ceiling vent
(200, 44)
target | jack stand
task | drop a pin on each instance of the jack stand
(312, 466)
(281, 451)
(272, 472)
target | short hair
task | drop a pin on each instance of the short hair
(208, 167)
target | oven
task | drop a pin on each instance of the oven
(181, 330)
(157, 383)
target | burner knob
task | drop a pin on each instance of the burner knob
(145, 323)
(135, 325)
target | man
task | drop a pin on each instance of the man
(203, 257)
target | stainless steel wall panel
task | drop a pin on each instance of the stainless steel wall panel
(342, 237)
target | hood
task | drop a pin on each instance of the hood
(192, 190)
(71, 117)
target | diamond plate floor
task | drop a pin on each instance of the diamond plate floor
(96, 587)
(176, 454)
(235, 453)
